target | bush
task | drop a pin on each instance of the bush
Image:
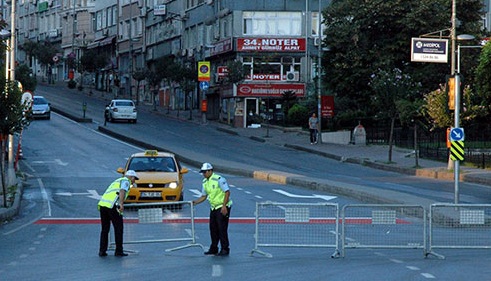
(72, 84)
(298, 115)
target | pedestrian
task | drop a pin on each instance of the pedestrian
(313, 128)
(216, 190)
(111, 207)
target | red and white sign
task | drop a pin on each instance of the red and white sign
(221, 47)
(264, 77)
(271, 45)
(222, 71)
(270, 90)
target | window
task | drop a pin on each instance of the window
(272, 23)
(270, 68)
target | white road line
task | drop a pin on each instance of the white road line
(412, 267)
(258, 197)
(396, 261)
(427, 275)
(45, 196)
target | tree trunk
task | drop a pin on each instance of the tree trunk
(416, 152)
(4, 189)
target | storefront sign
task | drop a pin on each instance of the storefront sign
(270, 90)
(264, 77)
(222, 71)
(271, 45)
(221, 47)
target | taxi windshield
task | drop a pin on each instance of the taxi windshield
(153, 164)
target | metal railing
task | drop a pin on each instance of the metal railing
(383, 226)
(296, 225)
(160, 223)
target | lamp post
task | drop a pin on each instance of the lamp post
(11, 75)
(319, 75)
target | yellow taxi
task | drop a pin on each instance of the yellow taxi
(160, 177)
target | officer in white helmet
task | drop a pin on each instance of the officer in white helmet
(216, 190)
(111, 206)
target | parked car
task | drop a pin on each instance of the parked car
(41, 107)
(160, 177)
(120, 110)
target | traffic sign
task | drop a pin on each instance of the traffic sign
(457, 134)
(457, 151)
(204, 85)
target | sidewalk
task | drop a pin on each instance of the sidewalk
(375, 156)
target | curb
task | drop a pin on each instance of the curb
(12, 211)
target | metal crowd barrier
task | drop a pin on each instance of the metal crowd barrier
(296, 225)
(459, 226)
(383, 226)
(159, 223)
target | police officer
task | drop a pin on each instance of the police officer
(111, 206)
(216, 190)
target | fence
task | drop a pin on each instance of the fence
(459, 226)
(296, 225)
(160, 223)
(383, 226)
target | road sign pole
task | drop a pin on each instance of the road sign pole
(457, 125)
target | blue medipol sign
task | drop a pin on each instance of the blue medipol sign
(429, 50)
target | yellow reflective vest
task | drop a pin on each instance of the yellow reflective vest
(111, 195)
(214, 192)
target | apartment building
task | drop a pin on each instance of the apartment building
(277, 41)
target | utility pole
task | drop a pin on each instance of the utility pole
(130, 54)
(453, 38)
(10, 167)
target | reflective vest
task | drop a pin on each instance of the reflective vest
(111, 195)
(214, 192)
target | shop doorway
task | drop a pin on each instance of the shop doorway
(252, 111)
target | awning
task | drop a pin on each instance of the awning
(101, 42)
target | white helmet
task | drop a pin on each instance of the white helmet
(205, 167)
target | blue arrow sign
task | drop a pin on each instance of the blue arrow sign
(204, 85)
(457, 134)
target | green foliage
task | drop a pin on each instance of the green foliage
(364, 36)
(236, 72)
(288, 98)
(72, 84)
(298, 115)
(92, 60)
(483, 74)
(23, 75)
(12, 110)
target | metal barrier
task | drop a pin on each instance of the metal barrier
(459, 226)
(296, 225)
(383, 226)
(159, 223)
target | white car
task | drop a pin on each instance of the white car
(120, 110)
(41, 107)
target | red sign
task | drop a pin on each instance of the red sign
(271, 45)
(221, 47)
(204, 105)
(327, 106)
(270, 90)
(222, 71)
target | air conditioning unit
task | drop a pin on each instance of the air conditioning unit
(105, 32)
(292, 76)
(317, 41)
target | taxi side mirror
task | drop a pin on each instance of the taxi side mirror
(120, 170)
(184, 170)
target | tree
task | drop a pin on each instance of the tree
(139, 75)
(12, 120)
(483, 75)
(366, 35)
(389, 87)
(23, 75)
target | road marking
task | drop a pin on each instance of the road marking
(56, 161)
(91, 193)
(196, 192)
(314, 196)
(429, 276)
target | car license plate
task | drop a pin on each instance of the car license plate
(150, 194)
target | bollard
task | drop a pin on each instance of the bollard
(84, 107)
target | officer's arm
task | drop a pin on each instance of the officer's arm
(199, 200)
(122, 194)
(224, 209)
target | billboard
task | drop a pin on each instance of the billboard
(429, 50)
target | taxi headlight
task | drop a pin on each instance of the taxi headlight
(173, 185)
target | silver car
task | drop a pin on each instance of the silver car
(120, 110)
(41, 108)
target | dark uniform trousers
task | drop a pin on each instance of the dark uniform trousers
(108, 216)
(219, 229)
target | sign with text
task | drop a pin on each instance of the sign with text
(269, 90)
(327, 106)
(271, 45)
(429, 50)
